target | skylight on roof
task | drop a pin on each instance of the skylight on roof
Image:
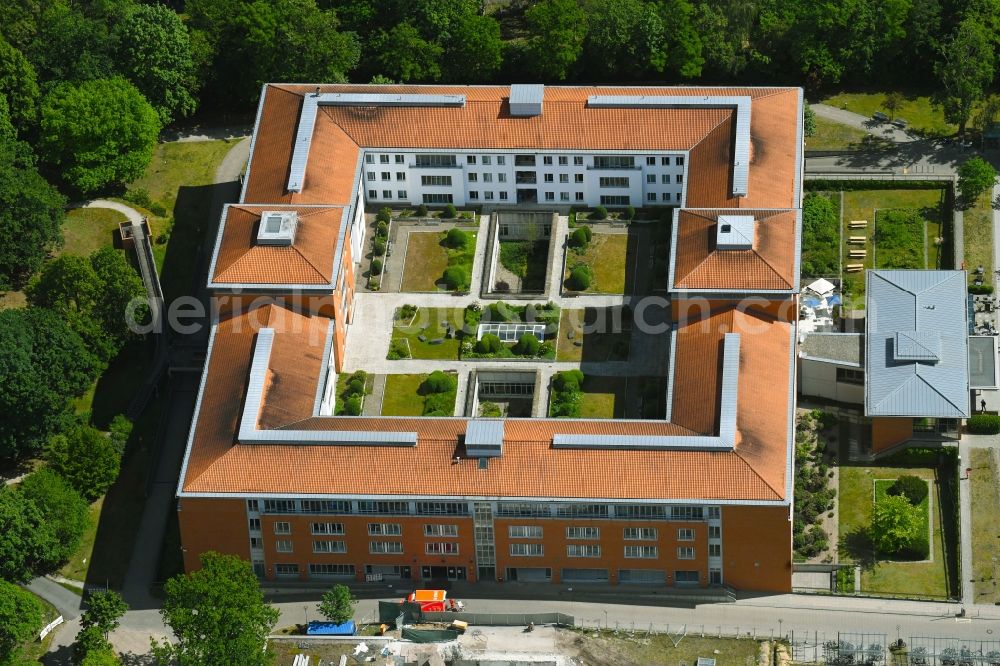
(277, 227)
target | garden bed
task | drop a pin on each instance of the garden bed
(881, 490)
(604, 259)
(527, 261)
(494, 345)
(420, 395)
(428, 333)
(594, 334)
(352, 390)
(439, 260)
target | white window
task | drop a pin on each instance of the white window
(650, 160)
(578, 160)
(563, 160)
(651, 178)
(715, 550)
(550, 196)
(680, 161)
(714, 513)
(641, 534)
(524, 532)
(579, 196)
(651, 196)
(488, 196)
(679, 179)
(401, 194)
(369, 159)
(487, 159)
(526, 550)
(286, 569)
(583, 532)
(473, 177)
(583, 550)
(383, 159)
(331, 570)
(501, 159)
(329, 547)
(385, 547)
(501, 178)
(578, 178)
(327, 528)
(282, 527)
(256, 542)
(666, 196)
(487, 177)
(399, 159)
(441, 548)
(470, 159)
(503, 196)
(386, 194)
(641, 552)
(665, 161)
(547, 159)
(372, 194)
(685, 552)
(385, 529)
(371, 175)
(441, 530)
(283, 546)
(401, 175)
(255, 524)
(386, 175)
(685, 534)
(665, 179)
(714, 532)
(564, 196)
(564, 178)
(548, 178)
(473, 194)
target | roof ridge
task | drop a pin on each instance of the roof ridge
(777, 494)
(773, 269)
(934, 388)
(220, 275)
(899, 387)
(311, 264)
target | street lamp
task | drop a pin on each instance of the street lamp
(780, 635)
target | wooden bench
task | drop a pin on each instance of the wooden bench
(858, 254)
(857, 224)
(854, 268)
(857, 240)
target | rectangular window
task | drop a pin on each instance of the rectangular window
(583, 550)
(614, 200)
(641, 534)
(438, 198)
(488, 196)
(487, 177)
(329, 547)
(441, 530)
(386, 194)
(685, 534)
(549, 178)
(564, 178)
(665, 161)
(714, 513)
(578, 178)
(563, 160)
(578, 160)
(369, 159)
(685, 552)
(686, 577)
(547, 160)
(614, 161)
(650, 160)
(614, 181)
(327, 528)
(400, 159)
(385, 529)
(524, 160)
(715, 550)
(487, 159)
(582, 510)
(682, 512)
(282, 527)
(647, 511)
(503, 196)
(715, 576)
(501, 160)
(383, 159)
(526, 549)
(579, 196)
(714, 532)
(641, 552)
(680, 161)
(473, 177)
(679, 179)
(371, 175)
(501, 178)
(401, 194)
(256, 542)
(442, 508)
(435, 161)
(583, 532)
(253, 505)
(386, 175)
(283, 545)
(564, 196)
(473, 194)
(651, 196)
(851, 376)
(435, 181)
(550, 196)
(326, 506)
(372, 194)
(441, 548)
(470, 159)
(255, 524)
(385, 547)
(666, 196)
(286, 570)
(651, 178)
(345, 570)
(518, 509)
(524, 532)
(401, 176)
(665, 179)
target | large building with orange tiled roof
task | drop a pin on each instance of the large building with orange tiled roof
(690, 486)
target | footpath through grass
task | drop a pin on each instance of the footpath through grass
(832, 135)
(917, 110)
(856, 500)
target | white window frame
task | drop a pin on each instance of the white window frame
(524, 532)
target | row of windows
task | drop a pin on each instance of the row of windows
(504, 509)
(629, 533)
(375, 529)
(666, 196)
(488, 177)
(523, 160)
(593, 550)
(474, 194)
(377, 547)
(664, 179)
(400, 176)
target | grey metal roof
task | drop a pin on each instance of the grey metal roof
(741, 104)
(526, 99)
(983, 361)
(917, 344)
(843, 348)
(484, 437)
(312, 102)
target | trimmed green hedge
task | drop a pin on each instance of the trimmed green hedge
(834, 185)
(984, 424)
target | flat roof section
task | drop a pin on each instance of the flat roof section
(841, 348)
(983, 362)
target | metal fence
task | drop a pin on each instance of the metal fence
(934, 651)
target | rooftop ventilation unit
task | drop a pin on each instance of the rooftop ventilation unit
(734, 232)
(277, 228)
(526, 99)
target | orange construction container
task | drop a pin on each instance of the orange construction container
(427, 595)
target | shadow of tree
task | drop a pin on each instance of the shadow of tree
(857, 544)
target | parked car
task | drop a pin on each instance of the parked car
(879, 117)
(900, 123)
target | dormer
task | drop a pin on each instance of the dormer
(734, 232)
(277, 228)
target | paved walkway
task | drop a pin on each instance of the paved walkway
(864, 123)
(134, 216)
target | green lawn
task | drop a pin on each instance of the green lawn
(831, 135)
(402, 396)
(917, 579)
(431, 323)
(606, 254)
(111, 394)
(88, 229)
(603, 397)
(862, 205)
(425, 261)
(985, 526)
(598, 332)
(77, 565)
(33, 651)
(918, 110)
(978, 224)
(882, 489)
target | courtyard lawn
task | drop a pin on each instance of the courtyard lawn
(88, 229)
(862, 205)
(431, 324)
(603, 397)
(832, 135)
(526, 259)
(403, 396)
(978, 223)
(985, 525)
(913, 579)
(918, 110)
(596, 331)
(606, 255)
(882, 489)
(424, 263)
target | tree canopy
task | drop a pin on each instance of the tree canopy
(218, 614)
(86, 458)
(975, 176)
(337, 604)
(63, 507)
(21, 617)
(558, 29)
(105, 609)
(966, 68)
(97, 133)
(29, 541)
(18, 84)
(896, 524)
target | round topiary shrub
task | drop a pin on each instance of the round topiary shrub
(439, 382)
(356, 387)
(527, 345)
(376, 266)
(489, 344)
(579, 238)
(588, 232)
(600, 213)
(456, 239)
(911, 487)
(456, 278)
(449, 212)
(568, 380)
(378, 247)
(422, 210)
(579, 278)
(382, 229)
(352, 406)
(630, 213)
